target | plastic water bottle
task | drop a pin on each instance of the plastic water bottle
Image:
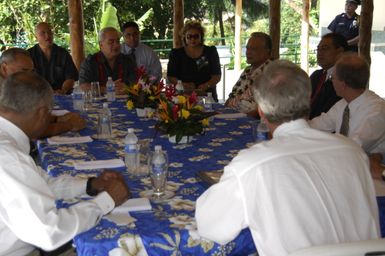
(131, 151)
(104, 123)
(159, 170)
(110, 87)
(77, 97)
(179, 87)
(209, 101)
(262, 133)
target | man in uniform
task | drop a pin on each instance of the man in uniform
(347, 24)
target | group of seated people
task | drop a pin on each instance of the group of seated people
(292, 192)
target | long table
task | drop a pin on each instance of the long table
(169, 228)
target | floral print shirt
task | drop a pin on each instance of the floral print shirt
(241, 97)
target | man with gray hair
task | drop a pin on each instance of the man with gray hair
(28, 214)
(15, 60)
(281, 189)
(108, 62)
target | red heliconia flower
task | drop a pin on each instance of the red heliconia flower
(170, 91)
(175, 110)
(141, 71)
(193, 98)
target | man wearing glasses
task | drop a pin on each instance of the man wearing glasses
(142, 54)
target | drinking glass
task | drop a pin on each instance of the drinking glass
(87, 98)
(95, 88)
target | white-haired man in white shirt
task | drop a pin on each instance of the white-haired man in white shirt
(295, 190)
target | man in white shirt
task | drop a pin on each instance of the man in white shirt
(302, 188)
(144, 55)
(28, 214)
(364, 110)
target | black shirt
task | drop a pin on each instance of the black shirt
(198, 70)
(58, 69)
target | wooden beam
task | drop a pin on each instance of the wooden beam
(366, 22)
(275, 26)
(75, 14)
(237, 37)
(178, 22)
(305, 35)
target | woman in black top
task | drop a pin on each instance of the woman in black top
(195, 64)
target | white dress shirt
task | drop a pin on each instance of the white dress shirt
(28, 214)
(145, 56)
(304, 187)
(366, 122)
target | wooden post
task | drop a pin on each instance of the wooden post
(305, 35)
(275, 26)
(237, 37)
(178, 22)
(75, 13)
(366, 22)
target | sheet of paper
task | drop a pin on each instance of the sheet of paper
(230, 115)
(120, 218)
(59, 112)
(58, 140)
(98, 164)
(132, 205)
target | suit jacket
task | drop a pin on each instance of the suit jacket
(326, 98)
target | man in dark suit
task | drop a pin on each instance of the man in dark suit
(323, 95)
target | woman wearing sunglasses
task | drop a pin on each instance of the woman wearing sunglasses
(195, 64)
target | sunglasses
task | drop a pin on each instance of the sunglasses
(193, 36)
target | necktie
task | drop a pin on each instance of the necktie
(344, 130)
(317, 90)
(132, 54)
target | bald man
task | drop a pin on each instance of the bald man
(53, 62)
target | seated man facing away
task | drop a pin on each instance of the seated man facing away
(53, 62)
(258, 55)
(323, 95)
(144, 55)
(28, 214)
(108, 62)
(15, 60)
(281, 189)
(360, 114)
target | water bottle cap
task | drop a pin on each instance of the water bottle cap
(210, 94)
(158, 147)
(105, 105)
(109, 78)
(130, 130)
(179, 81)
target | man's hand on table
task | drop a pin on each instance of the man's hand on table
(113, 183)
(74, 120)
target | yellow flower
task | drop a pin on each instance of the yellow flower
(181, 99)
(198, 107)
(185, 113)
(205, 122)
(130, 105)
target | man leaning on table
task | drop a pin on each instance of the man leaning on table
(281, 189)
(16, 60)
(108, 62)
(29, 218)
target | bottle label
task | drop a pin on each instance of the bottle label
(78, 96)
(158, 168)
(130, 148)
(261, 136)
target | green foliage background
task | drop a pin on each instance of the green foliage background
(18, 18)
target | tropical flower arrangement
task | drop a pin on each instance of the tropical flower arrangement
(145, 92)
(180, 115)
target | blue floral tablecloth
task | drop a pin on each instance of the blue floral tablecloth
(169, 228)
